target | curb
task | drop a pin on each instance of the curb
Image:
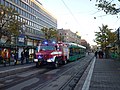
(81, 82)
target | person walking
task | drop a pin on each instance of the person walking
(13, 56)
(101, 54)
(96, 54)
(16, 57)
(22, 57)
(27, 56)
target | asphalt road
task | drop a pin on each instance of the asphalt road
(46, 79)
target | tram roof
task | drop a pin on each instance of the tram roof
(74, 44)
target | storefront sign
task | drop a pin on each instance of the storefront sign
(21, 39)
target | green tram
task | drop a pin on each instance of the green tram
(76, 51)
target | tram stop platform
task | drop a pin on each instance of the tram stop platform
(102, 74)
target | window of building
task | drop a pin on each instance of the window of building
(16, 8)
(6, 4)
(16, 1)
(30, 30)
(26, 29)
(21, 19)
(2, 2)
(30, 23)
(13, 7)
(19, 2)
(16, 17)
(10, 5)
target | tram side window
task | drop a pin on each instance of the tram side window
(71, 52)
(77, 49)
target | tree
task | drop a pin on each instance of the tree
(107, 6)
(9, 24)
(50, 33)
(105, 37)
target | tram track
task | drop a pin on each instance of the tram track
(20, 77)
(71, 83)
(73, 75)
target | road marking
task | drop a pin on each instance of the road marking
(24, 84)
(88, 78)
(19, 68)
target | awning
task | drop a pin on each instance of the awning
(34, 38)
(16, 45)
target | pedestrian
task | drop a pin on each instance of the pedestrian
(96, 54)
(27, 56)
(16, 57)
(13, 56)
(22, 57)
(101, 54)
(1, 56)
(5, 57)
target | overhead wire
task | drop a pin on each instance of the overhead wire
(70, 12)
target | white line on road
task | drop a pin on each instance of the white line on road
(88, 78)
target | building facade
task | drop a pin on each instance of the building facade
(86, 44)
(34, 17)
(67, 35)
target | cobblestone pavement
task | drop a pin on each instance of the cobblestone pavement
(106, 75)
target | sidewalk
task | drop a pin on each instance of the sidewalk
(106, 75)
(101, 74)
(9, 70)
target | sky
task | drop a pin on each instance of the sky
(78, 16)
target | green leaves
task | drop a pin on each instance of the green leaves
(9, 22)
(104, 37)
(49, 33)
(107, 6)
